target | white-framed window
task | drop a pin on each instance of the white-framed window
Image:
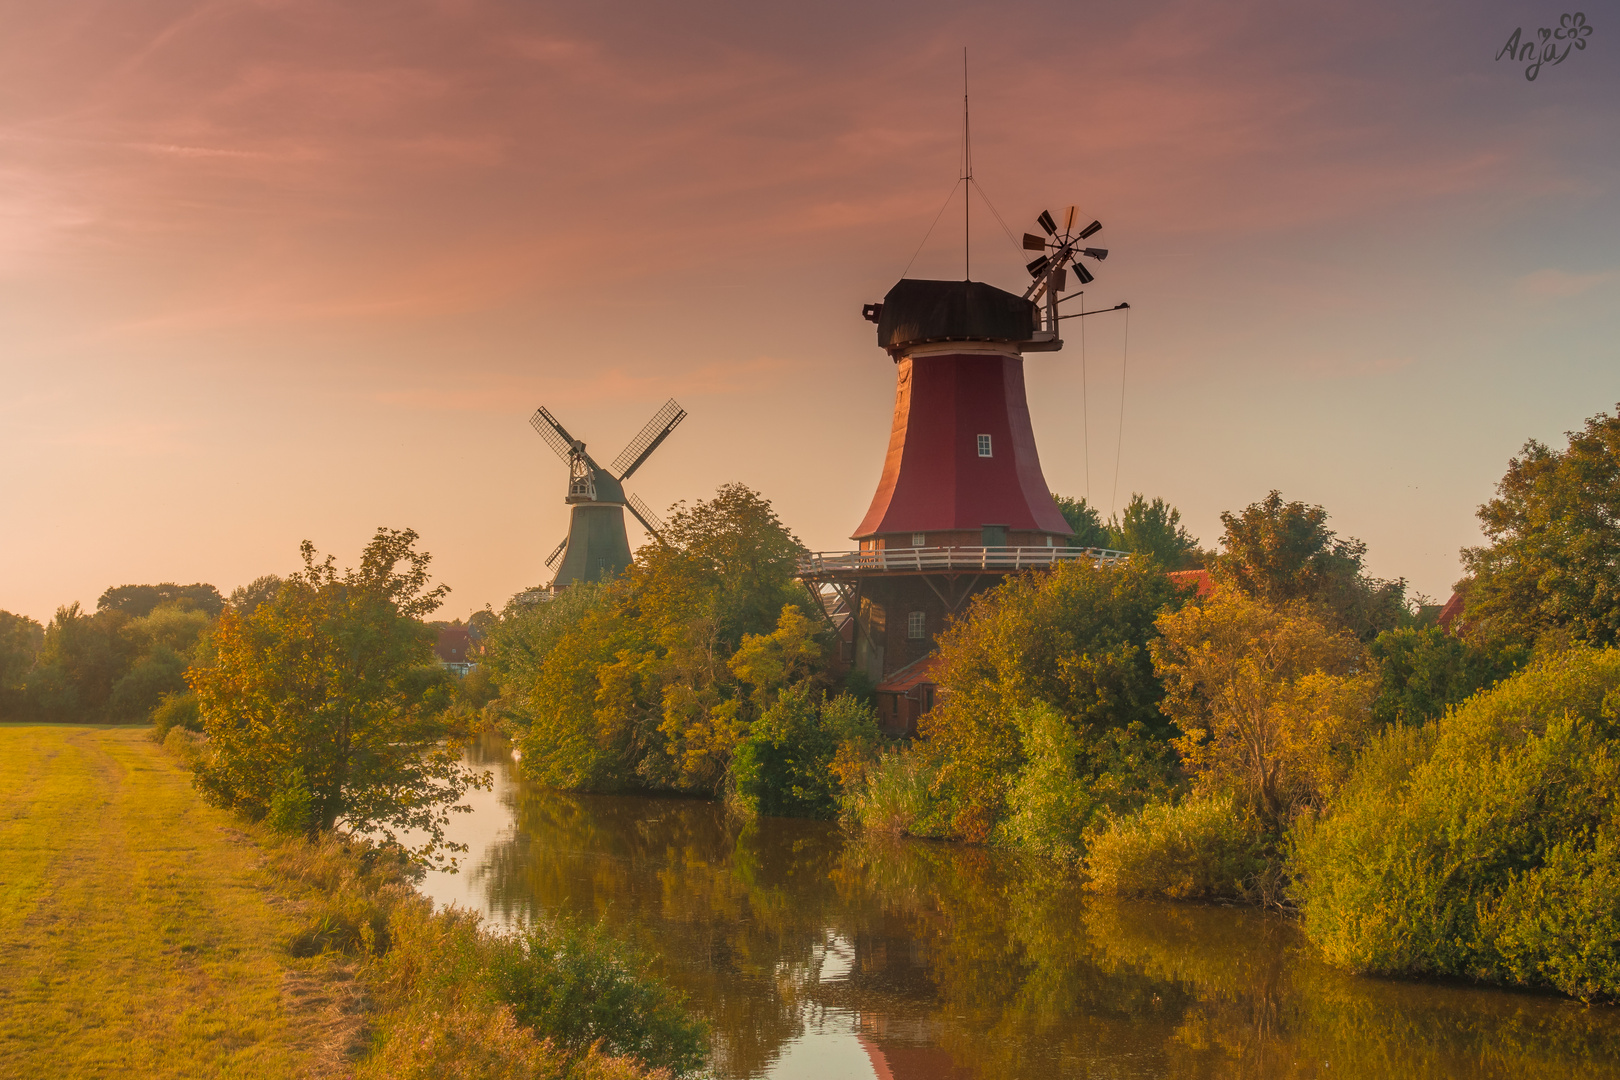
(984, 446)
(917, 625)
(919, 540)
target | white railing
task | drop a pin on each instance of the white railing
(946, 559)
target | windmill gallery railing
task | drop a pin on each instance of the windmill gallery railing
(825, 565)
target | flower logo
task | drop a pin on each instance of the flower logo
(1574, 28)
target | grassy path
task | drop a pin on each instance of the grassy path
(139, 933)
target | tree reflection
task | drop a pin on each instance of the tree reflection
(967, 961)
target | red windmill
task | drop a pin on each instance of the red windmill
(962, 501)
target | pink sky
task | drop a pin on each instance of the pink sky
(280, 270)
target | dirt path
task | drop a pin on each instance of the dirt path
(140, 934)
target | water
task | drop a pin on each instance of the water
(815, 955)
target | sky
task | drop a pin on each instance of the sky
(286, 270)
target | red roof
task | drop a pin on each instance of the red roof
(1205, 584)
(911, 676)
(452, 645)
(1449, 613)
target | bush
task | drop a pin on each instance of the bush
(1068, 780)
(896, 796)
(792, 762)
(1198, 849)
(176, 711)
(1482, 847)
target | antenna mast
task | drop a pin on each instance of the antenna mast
(967, 175)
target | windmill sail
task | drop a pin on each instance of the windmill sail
(647, 439)
(648, 519)
(554, 433)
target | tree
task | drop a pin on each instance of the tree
(245, 599)
(1281, 552)
(20, 640)
(1087, 523)
(80, 660)
(1074, 638)
(1552, 560)
(138, 600)
(323, 706)
(1154, 529)
(1271, 700)
(635, 688)
(1422, 670)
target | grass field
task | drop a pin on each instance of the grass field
(140, 933)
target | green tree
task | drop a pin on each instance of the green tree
(633, 688)
(1154, 528)
(1282, 552)
(1087, 523)
(1074, 638)
(327, 698)
(1423, 670)
(138, 600)
(1552, 560)
(245, 599)
(20, 640)
(80, 660)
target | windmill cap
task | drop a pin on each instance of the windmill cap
(916, 311)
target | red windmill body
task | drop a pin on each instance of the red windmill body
(962, 501)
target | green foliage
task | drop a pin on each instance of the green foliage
(20, 640)
(1424, 670)
(138, 600)
(1154, 529)
(800, 752)
(1281, 552)
(1068, 782)
(333, 681)
(176, 711)
(1482, 845)
(1075, 638)
(292, 805)
(1553, 557)
(1202, 848)
(652, 681)
(245, 599)
(1086, 521)
(895, 794)
(580, 988)
(1272, 702)
(81, 658)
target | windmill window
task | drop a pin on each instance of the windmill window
(917, 625)
(919, 540)
(984, 446)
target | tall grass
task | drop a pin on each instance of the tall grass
(1198, 849)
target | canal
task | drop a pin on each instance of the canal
(815, 954)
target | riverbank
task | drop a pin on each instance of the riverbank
(142, 932)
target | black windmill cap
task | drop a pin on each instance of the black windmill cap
(918, 310)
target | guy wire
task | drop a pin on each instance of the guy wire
(1125, 358)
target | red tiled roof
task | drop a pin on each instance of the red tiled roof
(452, 645)
(1449, 613)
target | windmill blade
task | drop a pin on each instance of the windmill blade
(1096, 253)
(551, 559)
(1045, 221)
(1034, 243)
(1089, 229)
(647, 439)
(1069, 217)
(1038, 266)
(643, 514)
(554, 433)
(1083, 274)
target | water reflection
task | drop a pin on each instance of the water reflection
(815, 955)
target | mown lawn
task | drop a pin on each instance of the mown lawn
(140, 934)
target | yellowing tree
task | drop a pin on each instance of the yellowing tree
(1271, 701)
(324, 706)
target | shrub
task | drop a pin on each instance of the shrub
(897, 795)
(1198, 849)
(796, 755)
(1069, 779)
(176, 711)
(1482, 847)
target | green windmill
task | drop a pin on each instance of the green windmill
(596, 548)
